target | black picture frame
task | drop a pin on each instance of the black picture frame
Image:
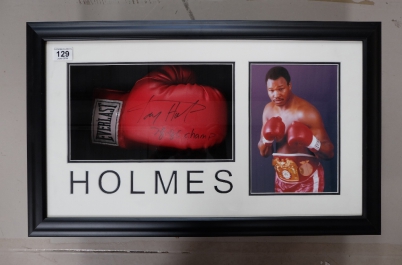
(40, 225)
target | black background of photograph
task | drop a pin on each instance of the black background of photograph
(84, 78)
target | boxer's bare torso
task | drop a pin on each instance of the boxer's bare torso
(293, 108)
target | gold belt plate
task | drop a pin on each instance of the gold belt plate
(286, 169)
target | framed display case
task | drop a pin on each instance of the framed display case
(203, 128)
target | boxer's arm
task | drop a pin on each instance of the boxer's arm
(316, 125)
(264, 147)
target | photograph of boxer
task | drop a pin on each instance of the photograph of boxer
(292, 131)
(154, 112)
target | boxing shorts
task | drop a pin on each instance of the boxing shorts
(297, 173)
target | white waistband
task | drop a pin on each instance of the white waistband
(297, 154)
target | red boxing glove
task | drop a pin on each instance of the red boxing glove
(298, 133)
(274, 129)
(164, 108)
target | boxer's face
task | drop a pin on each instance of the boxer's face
(279, 91)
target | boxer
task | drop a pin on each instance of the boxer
(301, 140)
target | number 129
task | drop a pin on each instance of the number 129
(63, 54)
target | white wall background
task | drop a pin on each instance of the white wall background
(17, 248)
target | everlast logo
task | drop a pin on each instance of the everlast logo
(105, 121)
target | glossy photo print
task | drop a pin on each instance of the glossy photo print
(294, 125)
(151, 112)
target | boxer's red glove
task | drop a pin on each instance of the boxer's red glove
(298, 133)
(274, 129)
(164, 108)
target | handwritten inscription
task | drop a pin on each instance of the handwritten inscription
(168, 110)
(163, 133)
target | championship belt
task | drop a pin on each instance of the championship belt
(294, 168)
(287, 169)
